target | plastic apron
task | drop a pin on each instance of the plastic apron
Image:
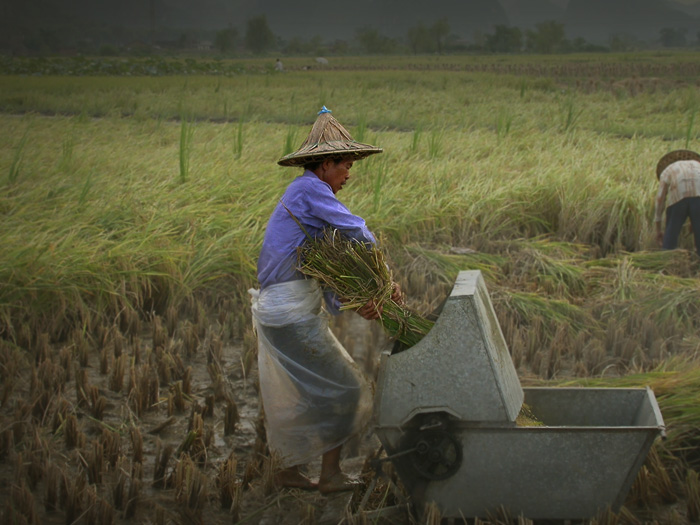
(314, 395)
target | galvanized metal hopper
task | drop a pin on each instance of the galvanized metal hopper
(446, 410)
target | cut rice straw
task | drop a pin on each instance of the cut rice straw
(357, 273)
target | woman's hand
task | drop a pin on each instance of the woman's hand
(396, 295)
(370, 311)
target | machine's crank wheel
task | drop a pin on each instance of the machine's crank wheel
(436, 454)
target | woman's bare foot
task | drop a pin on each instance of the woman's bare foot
(292, 478)
(338, 482)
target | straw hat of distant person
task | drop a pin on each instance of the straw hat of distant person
(328, 138)
(673, 156)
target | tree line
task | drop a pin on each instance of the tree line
(547, 37)
(257, 38)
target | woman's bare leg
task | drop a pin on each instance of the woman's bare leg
(332, 478)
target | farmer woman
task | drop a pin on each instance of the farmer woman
(314, 396)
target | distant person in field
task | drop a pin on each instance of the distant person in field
(679, 194)
(314, 396)
(278, 66)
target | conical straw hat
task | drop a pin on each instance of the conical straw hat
(327, 138)
(673, 156)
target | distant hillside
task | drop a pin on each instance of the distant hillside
(529, 13)
(596, 20)
(391, 17)
(692, 9)
(117, 21)
(205, 14)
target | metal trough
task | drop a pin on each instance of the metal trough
(446, 410)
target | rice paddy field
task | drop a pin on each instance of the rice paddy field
(134, 201)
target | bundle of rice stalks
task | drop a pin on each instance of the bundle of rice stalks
(358, 273)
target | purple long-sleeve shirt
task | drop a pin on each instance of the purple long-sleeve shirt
(313, 203)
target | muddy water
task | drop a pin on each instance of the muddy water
(161, 425)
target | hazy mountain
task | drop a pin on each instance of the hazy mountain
(303, 18)
(596, 20)
(111, 20)
(205, 14)
(464, 17)
(308, 18)
(529, 13)
(390, 17)
(691, 7)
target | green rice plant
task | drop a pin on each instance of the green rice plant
(689, 135)
(358, 274)
(290, 141)
(435, 143)
(504, 120)
(322, 96)
(415, 138)
(85, 190)
(186, 134)
(17, 158)
(292, 104)
(440, 183)
(379, 174)
(67, 149)
(570, 114)
(361, 128)
(238, 141)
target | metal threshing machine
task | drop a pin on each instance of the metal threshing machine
(446, 413)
